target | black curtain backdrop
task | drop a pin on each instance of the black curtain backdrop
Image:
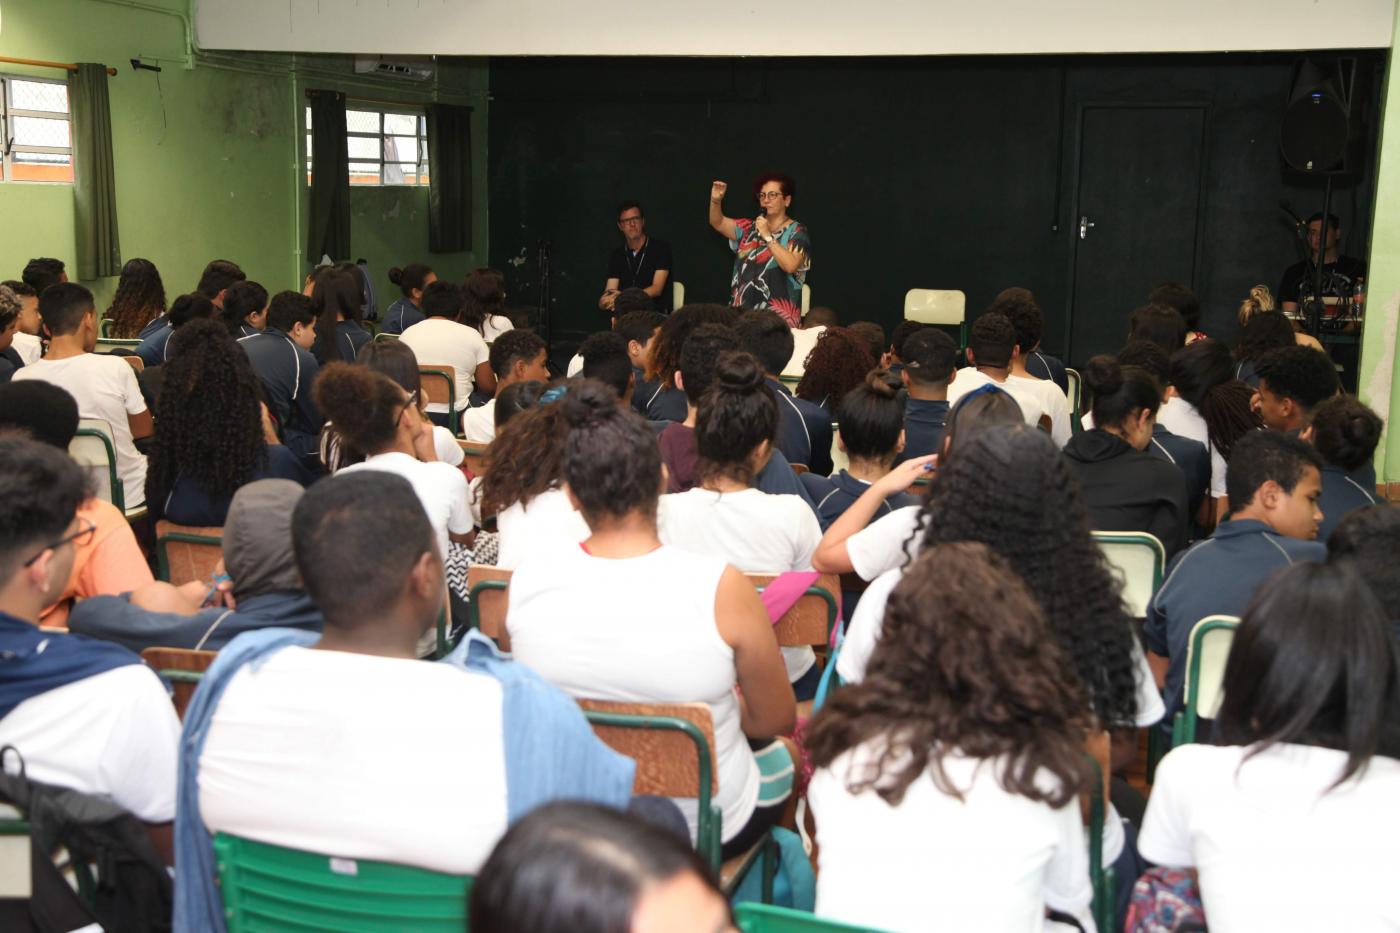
(450, 178)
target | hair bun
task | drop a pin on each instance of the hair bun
(884, 383)
(1103, 375)
(588, 402)
(396, 275)
(739, 373)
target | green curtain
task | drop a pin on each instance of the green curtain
(449, 178)
(94, 187)
(328, 221)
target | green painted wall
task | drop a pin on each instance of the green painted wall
(208, 160)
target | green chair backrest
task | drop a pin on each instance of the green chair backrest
(1075, 393)
(384, 336)
(267, 888)
(764, 918)
(1139, 560)
(92, 448)
(105, 344)
(1206, 654)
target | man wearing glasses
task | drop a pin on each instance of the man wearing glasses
(640, 262)
(772, 252)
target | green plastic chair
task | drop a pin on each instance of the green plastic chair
(765, 918)
(1100, 876)
(107, 344)
(440, 387)
(1206, 654)
(381, 335)
(1075, 384)
(270, 888)
(165, 538)
(1141, 561)
(92, 447)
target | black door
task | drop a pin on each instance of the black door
(1137, 207)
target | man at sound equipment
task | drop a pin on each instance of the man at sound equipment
(640, 262)
(1343, 282)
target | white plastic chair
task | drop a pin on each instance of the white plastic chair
(1139, 559)
(945, 306)
(806, 298)
(1075, 393)
(677, 295)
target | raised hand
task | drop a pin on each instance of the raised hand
(717, 190)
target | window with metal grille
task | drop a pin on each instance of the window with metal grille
(387, 147)
(35, 129)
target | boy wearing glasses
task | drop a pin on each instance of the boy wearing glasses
(640, 262)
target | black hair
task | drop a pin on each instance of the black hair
(822, 316)
(766, 335)
(1314, 662)
(515, 398)
(40, 491)
(871, 417)
(62, 307)
(611, 460)
(22, 289)
(40, 273)
(364, 405)
(1178, 296)
(442, 299)
(217, 276)
(1333, 223)
(991, 338)
(288, 309)
(1261, 456)
(395, 359)
(336, 295)
(1304, 374)
(929, 356)
(1024, 313)
(640, 326)
(579, 867)
(605, 359)
(737, 414)
(785, 183)
(1203, 374)
(633, 299)
(410, 277)
(517, 344)
(1369, 539)
(700, 356)
(350, 522)
(47, 412)
(901, 333)
(1160, 324)
(627, 205)
(1119, 391)
(872, 334)
(188, 308)
(1346, 432)
(140, 298)
(483, 296)
(1147, 356)
(241, 300)
(1264, 331)
(665, 355)
(9, 308)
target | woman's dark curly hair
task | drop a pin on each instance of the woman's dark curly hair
(611, 460)
(140, 299)
(1010, 489)
(1264, 331)
(665, 356)
(837, 364)
(964, 666)
(525, 459)
(208, 424)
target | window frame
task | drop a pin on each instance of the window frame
(7, 149)
(421, 166)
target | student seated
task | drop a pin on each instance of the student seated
(1125, 488)
(874, 336)
(259, 574)
(872, 434)
(1369, 539)
(1028, 321)
(439, 340)
(804, 427)
(603, 358)
(991, 345)
(1292, 382)
(639, 329)
(1158, 324)
(81, 713)
(217, 278)
(967, 729)
(107, 561)
(310, 743)
(1269, 330)
(1188, 455)
(1345, 432)
(837, 364)
(281, 358)
(10, 358)
(43, 271)
(210, 437)
(516, 356)
(894, 359)
(139, 299)
(1274, 482)
(245, 309)
(757, 532)
(930, 364)
(566, 621)
(406, 310)
(339, 302)
(155, 349)
(104, 386)
(1026, 316)
(1284, 820)
(26, 340)
(588, 869)
(661, 399)
(484, 304)
(1184, 301)
(397, 361)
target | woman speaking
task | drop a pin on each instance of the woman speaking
(772, 251)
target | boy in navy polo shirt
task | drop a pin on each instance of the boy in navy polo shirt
(804, 428)
(281, 356)
(930, 363)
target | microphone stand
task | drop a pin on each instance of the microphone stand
(542, 316)
(1318, 261)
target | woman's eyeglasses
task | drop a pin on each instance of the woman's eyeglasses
(769, 195)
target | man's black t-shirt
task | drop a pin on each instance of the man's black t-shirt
(636, 270)
(1338, 279)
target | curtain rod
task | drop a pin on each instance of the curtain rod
(37, 63)
(349, 96)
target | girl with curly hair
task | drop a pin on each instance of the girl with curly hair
(659, 399)
(212, 434)
(484, 304)
(837, 364)
(139, 300)
(964, 726)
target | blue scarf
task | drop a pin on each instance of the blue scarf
(34, 661)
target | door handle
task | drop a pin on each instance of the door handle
(1085, 225)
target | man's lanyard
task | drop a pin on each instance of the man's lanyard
(641, 258)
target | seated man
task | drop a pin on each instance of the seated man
(1029, 320)
(804, 428)
(82, 714)
(104, 386)
(281, 356)
(516, 356)
(930, 364)
(1029, 323)
(1292, 382)
(1273, 483)
(991, 354)
(346, 744)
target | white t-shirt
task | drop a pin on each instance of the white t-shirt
(991, 861)
(105, 388)
(440, 342)
(546, 521)
(479, 424)
(879, 546)
(568, 624)
(575, 366)
(1053, 400)
(495, 325)
(114, 734)
(360, 757)
(446, 447)
(803, 340)
(1027, 397)
(1276, 850)
(1181, 417)
(755, 531)
(29, 347)
(442, 489)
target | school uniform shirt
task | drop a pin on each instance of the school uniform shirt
(804, 339)
(575, 366)
(479, 424)
(441, 489)
(350, 338)
(446, 447)
(402, 315)
(1053, 402)
(1129, 490)
(804, 430)
(835, 494)
(880, 545)
(10, 363)
(153, 325)
(29, 347)
(754, 531)
(1044, 366)
(287, 372)
(1026, 396)
(105, 389)
(1342, 493)
(990, 861)
(588, 625)
(1276, 847)
(1181, 418)
(494, 326)
(546, 520)
(1217, 576)
(681, 456)
(440, 342)
(188, 503)
(925, 421)
(655, 401)
(245, 330)
(153, 349)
